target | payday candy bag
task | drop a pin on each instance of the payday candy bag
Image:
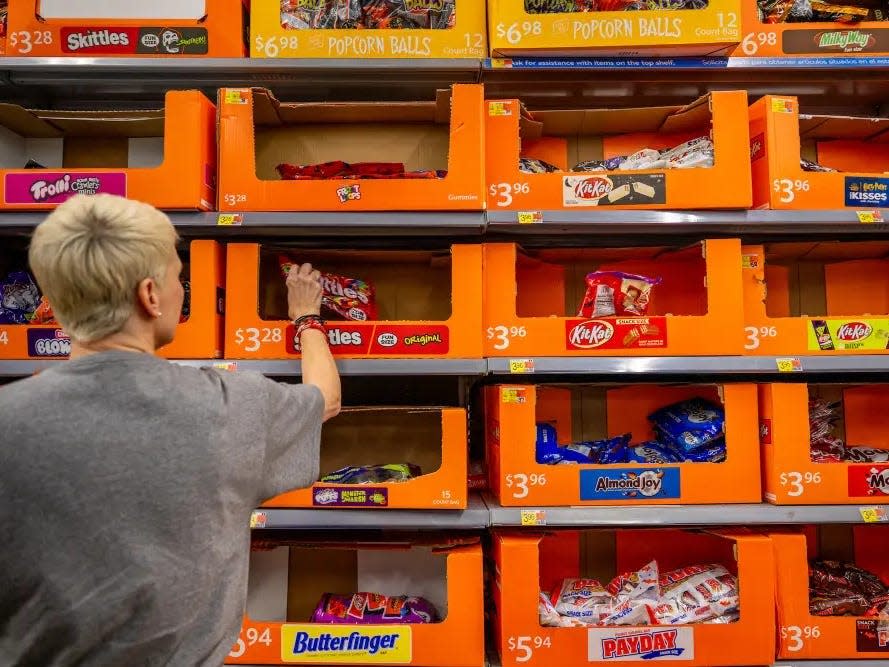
(349, 298)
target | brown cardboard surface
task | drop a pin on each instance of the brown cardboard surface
(836, 542)
(409, 285)
(369, 436)
(589, 419)
(95, 152)
(25, 123)
(814, 128)
(598, 555)
(314, 572)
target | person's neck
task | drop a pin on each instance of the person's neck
(122, 342)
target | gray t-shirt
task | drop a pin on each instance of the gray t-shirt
(126, 488)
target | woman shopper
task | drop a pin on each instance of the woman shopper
(127, 482)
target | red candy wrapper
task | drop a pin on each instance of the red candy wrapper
(611, 293)
(357, 171)
(409, 14)
(349, 298)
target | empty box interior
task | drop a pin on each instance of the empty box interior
(827, 278)
(114, 9)
(846, 143)
(863, 419)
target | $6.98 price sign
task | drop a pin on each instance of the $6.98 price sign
(797, 481)
(796, 636)
(248, 637)
(515, 32)
(521, 483)
(525, 646)
(503, 335)
(253, 338)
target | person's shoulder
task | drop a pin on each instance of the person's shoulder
(22, 396)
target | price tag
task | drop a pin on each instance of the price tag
(498, 109)
(533, 517)
(521, 365)
(790, 365)
(869, 217)
(749, 261)
(226, 365)
(780, 105)
(500, 63)
(873, 514)
(229, 219)
(236, 96)
(512, 395)
(529, 217)
(258, 519)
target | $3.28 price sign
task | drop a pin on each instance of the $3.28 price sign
(250, 636)
(251, 339)
(524, 647)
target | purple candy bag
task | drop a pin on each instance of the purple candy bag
(373, 609)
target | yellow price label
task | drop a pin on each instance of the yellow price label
(501, 63)
(529, 217)
(791, 365)
(781, 105)
(869, 217)
(512, 395)
(521, 365)
(229, 219)
(498, 109)
(873, 514)
(533, 517)
(749, 261)
(258, 519)
(226, 365)
(236, 96)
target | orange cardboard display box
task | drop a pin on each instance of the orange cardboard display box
(529, 563)
(198, 335)
(803, 636)
(692, 311)
(257, 133)
(807, 39)
(165, 157)
(816, 298)
(281, 30)
(398, 434)
(790, 476)
(287, 582)
(567, 138)
(589, 412)
(109, 28)
(856, 148)
(516, 31)
(428, 303)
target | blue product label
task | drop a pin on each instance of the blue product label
(48, 343)
(862, 191)
(624, 483)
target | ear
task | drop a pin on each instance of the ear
(148, 298)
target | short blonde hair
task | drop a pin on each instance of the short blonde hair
(90, 254)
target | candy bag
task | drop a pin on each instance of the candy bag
(858, 454)
(372, 608)
(612, 293)
(614, 450)
(583, 599)
(651, 452)
(696, 594)
(530, 165)
(377, 474)
(320, 14)
(409, 14)
(689, 424)
(19, 298)
(548, 451)
(349, 298)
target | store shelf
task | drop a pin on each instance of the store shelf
(474, 517)
(691, 365)
(85, 81)
(281, 368)
(674, 515)
(834, 663)
(761, 223)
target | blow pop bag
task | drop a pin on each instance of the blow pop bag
(349, 298)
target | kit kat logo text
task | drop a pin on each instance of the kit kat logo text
(591, 334)
(757, 146)
(593, 188)
(854, 331)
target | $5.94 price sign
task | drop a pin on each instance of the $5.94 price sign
(794, 636)
(251, 339)
(250, 636)
(521, 483)
(503, 335)
(798, 481)
(524, 647)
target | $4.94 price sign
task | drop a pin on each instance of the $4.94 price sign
(503, 335)
(798, 481)
(794, 636)
(521, 483)
(248, 637)
(251, 339)
(524, 647)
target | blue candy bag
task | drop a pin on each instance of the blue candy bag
(548, 451)
(652, 452)
(713, 452)
(689, 424)
(614, 450)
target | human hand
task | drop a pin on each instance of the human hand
(303, 291)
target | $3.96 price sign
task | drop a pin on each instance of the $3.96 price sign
(251, 339)
(521, 483)
(503, 335)
(524, 647)
(798, 481)
(794, 636)
(248, 637)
